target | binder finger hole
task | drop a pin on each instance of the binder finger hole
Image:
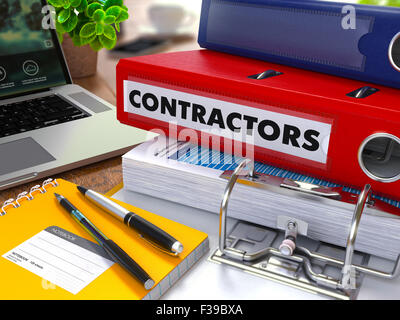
(379, 157)
(394, 52)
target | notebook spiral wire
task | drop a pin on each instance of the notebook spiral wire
(27, 196)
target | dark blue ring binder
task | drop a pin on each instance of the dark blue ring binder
(314, 35)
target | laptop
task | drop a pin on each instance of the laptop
(47, 123)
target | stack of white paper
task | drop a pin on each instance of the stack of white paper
(184, 176)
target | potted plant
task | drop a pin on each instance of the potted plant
(86, 26)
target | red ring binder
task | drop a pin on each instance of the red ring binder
(300, 120)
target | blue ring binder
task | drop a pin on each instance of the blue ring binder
(313, 35)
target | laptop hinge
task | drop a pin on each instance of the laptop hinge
(24, 94)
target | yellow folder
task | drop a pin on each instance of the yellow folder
(33, 216)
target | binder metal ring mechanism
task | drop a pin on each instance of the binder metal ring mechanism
(28, 196)
(290, 263)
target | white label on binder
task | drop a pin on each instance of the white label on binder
(289, 134)
(61, 258)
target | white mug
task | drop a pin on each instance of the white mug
(168, 19)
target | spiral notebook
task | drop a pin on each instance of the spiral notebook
(45, 254)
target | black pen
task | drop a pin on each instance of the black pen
(115, 252)
(144, 227)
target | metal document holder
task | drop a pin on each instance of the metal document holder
(303, 268)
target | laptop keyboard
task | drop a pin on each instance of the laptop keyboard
(37, 113)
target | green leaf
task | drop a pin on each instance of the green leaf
(64, 15)
(59, 27)
(117, 27)
(107, 43)
(82, 7)
(71, 23)
(75, 3)
(60, 37)
(72, 33)
(109, 32)
(56, 3)
(92, 8)
(88, 30)
(99, 29)
(124, 15)
(110, 3)
(85, 41)
(109, 19)
(96, 45)
(76, 40)
(83, 19)
(114, 11)
(99, 15)
(60, 31)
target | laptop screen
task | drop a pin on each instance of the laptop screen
(30, 57)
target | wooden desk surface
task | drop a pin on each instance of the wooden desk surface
(105, 175)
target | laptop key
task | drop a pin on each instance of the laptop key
(37, 113)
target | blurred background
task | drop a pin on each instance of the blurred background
(174, 23)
